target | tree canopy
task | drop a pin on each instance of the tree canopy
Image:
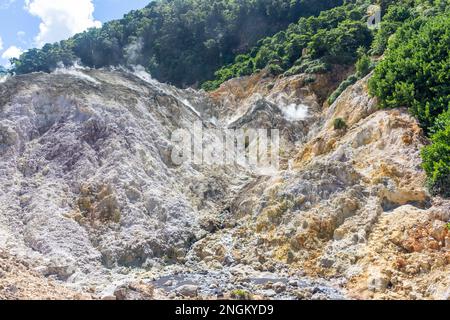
(311, 45)
(179, 41)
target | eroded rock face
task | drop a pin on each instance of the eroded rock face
(86, 175)
(321, 216)
(90, 194)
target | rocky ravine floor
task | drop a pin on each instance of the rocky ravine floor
(93, 207)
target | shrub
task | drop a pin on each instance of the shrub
(275, 69)
(339, 124)
(340, 45)
(210, 85)
(310, 79)
(436, 163)
(293, 71)
(363, 65)
(314, 66)
(240, 294)
(344, 85)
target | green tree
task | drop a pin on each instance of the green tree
(415, 72)
(363, 65)
(436, 162)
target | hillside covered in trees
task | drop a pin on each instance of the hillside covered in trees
(312, 45)
(179, 41)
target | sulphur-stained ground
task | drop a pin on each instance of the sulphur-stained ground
(352, 206)
(407, 257)
(92, 206)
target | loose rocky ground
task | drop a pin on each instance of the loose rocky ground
(18, 281)
(94, 206)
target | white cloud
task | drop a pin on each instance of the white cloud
(5, 4)
(61, 19)
(21, 34)
(12, 52)
(1, 43)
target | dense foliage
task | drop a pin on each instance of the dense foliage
(311, 45)
(436, 162)
(415, 73)
(178, 41)
(436, 157)
(416, 70)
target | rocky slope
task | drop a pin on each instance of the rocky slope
(92, 201)
(353, 207)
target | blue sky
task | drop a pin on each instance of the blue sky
(27, 24)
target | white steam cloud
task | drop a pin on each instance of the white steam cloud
(133, 52)
(295, 112)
